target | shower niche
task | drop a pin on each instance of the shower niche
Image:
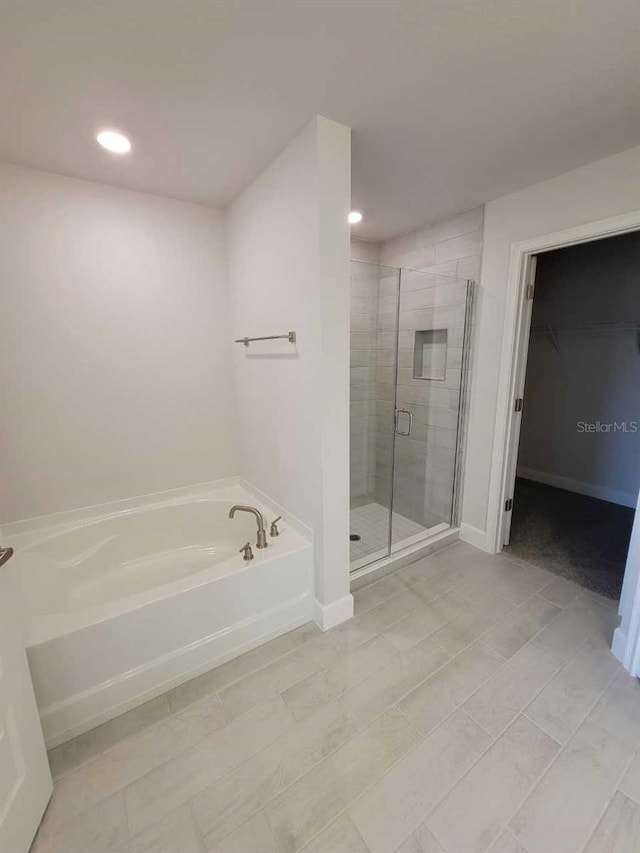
(430, 354)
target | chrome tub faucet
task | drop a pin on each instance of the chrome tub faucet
(261, 541)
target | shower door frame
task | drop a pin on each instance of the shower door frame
(394, 434)
(460, 427)
(456, 490)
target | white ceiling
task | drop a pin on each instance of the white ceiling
(452, 102)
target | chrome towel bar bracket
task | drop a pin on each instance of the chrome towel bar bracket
(290, 336)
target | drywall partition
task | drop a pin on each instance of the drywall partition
(581, 424)
(288, 262)
(115, 353)
(599, 191)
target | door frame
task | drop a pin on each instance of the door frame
(523, 334)
(515, 344)
(514, 350)
(626, 638)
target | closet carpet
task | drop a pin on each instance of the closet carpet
(580, 538)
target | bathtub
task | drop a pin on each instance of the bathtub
(127, 600)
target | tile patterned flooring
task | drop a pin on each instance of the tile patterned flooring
(371, 522)
(472, 704)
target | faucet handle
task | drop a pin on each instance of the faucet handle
(274, 527)
(246, 551)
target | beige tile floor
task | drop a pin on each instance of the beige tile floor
(472, 704)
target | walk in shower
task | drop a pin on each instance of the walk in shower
(409, 363)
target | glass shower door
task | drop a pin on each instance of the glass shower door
(432, 343)
(374, 339)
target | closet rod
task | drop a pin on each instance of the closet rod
(552, 329)
(622, 325)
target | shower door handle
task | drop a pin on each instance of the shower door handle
(403, 412)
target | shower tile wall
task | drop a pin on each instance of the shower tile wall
(364, 314)
(450, 248)
(425, 461)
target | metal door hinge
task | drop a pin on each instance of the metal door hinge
(508, 505)
(518, 404)
(529, 292)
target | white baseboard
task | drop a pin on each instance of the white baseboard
(603, 493)
(329, 615)
(476, 537)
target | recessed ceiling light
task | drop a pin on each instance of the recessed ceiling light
(114, 141)
(354, 217)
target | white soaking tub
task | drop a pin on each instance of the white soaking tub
(127, 600)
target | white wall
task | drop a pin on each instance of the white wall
(288, 251)
(115, 345)
(592, 376)
(607, 188)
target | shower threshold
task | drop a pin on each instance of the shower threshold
(434, 538)
(371, 522)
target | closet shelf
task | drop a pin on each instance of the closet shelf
(552, 330)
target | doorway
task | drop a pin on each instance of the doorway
(409, 359)
(575, 470)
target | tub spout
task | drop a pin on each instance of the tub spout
(261, 541)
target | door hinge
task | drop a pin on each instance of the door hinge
(529, 292)
(508, 506)
(518, 404)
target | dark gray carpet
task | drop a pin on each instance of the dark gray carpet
(580, 538)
